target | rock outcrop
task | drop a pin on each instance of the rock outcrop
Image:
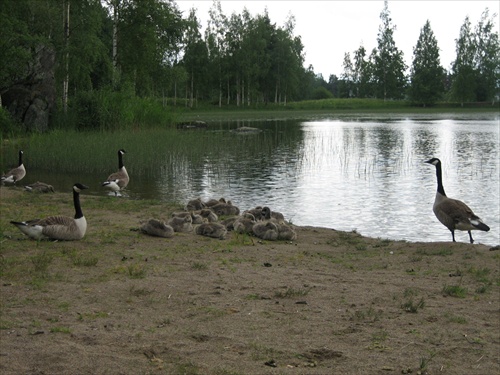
(32, 98)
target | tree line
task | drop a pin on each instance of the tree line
(474, 77)
(149, 49)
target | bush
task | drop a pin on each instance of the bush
(112, 110)
(321, 93)
(9, 127)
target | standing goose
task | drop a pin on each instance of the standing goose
(17, 173)
(119, 180)
(452, 213)
(58, 227)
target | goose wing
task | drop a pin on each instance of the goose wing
(455, 214)
(61, 228)
(120, 178)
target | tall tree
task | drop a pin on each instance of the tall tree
(149, 34)
(487, 58)
(195, 58)
(427, 74)
(464, 75)
(389, 63)
(216, 42)
(362, 71)
(346, 90)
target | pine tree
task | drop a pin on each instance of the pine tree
(464, 75)
(487, 58)
(427, 75)
(389, 64)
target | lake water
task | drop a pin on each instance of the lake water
(362, 173)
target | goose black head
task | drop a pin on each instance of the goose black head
(79, 187)
(433, 161)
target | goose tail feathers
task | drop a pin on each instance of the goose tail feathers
(480, 225)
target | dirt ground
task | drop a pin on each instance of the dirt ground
(331, 302)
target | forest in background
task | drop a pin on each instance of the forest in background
(120, 63)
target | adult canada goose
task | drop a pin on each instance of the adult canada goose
(119, 180)
(17, 173)
(157, 228)
(214, 230)
(58, 227)
(452, 213)
(40, 187)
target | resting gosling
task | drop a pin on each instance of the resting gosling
(266, 230)
(267, 214)
(452, 213)
(157, 228)
(17, 173)
(244, 223)
(58, 227)
(40, 187)
(285, 232)
(195, 204)
(195, 218)
(214, 230)
(119, 180)
(181, 224)
(208, 215)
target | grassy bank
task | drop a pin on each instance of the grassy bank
(329, 302)
(324, 107)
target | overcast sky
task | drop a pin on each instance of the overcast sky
(330, 28)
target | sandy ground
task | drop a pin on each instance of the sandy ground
(330, 302)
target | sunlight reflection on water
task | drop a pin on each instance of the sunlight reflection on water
(346, 173)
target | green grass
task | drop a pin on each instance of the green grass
(136, 271)
(60, 330)
(411, 306)
(455, 291)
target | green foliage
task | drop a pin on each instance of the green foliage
(321, 93)
(242, 61)
(389, 66)
(411, 306)
(107, 109)
(464, 78)
(455, 291)
(427, 75)
(8, 126)
(487, 57)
